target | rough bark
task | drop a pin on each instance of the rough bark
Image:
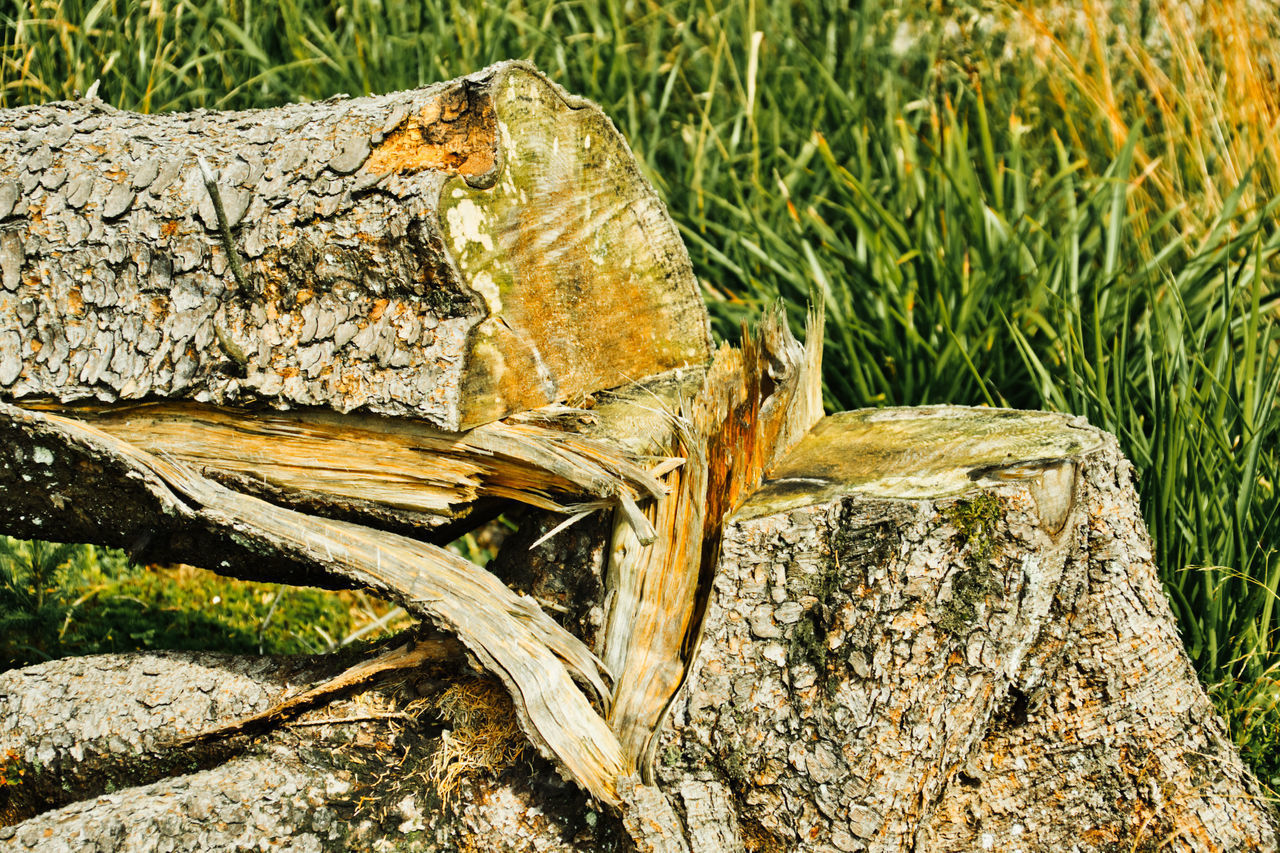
(941, 629)
(454, 253)
(94, 738)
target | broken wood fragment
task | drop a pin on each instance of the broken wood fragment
(508, 634)
(414, 654)
(730, 432)
(401, 475)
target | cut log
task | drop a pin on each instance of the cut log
(455, 253)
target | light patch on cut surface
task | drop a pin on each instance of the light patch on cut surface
(926, 452)
(484, 284)
(467, 225)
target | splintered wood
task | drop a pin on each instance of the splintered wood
(753, 406)
(403, 472)
(284, 344)
(208, 471)
(717, 445)
(507, 633)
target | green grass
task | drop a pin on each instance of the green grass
(58, 600)
(986, 198)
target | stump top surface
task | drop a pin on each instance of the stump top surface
(914, 453)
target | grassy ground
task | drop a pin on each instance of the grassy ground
(58, 600)
(1046, 205)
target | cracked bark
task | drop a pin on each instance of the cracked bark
(445, 253)
(95, 740)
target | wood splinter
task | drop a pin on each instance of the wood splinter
(413, 654)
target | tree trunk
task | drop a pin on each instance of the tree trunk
(940, 629)
(452, 253)
(98, 769)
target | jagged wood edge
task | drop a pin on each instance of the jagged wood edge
(508, 634)
(394, 474)
(753, 406)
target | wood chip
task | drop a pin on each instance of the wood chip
(119, 200)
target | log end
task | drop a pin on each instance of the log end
(928, 452)
(585, 282)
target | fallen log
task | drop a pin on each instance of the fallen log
(455, 254)
(370, 766)
(729, 622)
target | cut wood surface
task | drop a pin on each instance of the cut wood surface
(454, 253)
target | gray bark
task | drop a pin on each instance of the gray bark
(437, 254)
(94, 736)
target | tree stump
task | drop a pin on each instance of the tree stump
(941, 629)
(726, 623)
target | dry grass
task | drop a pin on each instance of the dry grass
(1200, 76)
(485, 739)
